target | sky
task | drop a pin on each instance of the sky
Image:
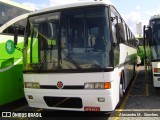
(132, 11)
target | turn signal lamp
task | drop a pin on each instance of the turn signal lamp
(157, 70)
(107, 85)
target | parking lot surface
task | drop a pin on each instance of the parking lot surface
(141, 102)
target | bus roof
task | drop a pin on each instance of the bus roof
(12, 3)
(155, 17)
(78, 3)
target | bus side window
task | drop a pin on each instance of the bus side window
(125, 32)
(120, 32)
(20, 25)
(116, 49)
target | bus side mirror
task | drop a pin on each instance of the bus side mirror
(15, 35)
(148, 35)
(137, 43)
(120, 32)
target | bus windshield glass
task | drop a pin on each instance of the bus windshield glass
(155, 48)
(77, 38)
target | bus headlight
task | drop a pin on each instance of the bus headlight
(32, 85)
(97, 85)
(89, 85)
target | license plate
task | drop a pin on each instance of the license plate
(96, 109)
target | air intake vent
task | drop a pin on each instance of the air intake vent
(63, 102)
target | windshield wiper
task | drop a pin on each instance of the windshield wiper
(43, 60)
(44, 57)
(70, 58)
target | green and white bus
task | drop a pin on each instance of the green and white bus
(12, 15)
(152, 39)
(78, 56)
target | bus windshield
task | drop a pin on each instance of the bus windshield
(155, 48)
(71, 39)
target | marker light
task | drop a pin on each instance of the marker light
(101, 99)
(32, 85)
(30, 96)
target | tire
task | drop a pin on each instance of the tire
(121, 90)
(121, 93)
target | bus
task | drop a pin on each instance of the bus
(151, 40)
(12, 15)
(78, 56)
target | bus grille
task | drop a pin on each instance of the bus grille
(63, 102)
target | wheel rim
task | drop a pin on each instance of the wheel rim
(121, 90)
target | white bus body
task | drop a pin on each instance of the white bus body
(156, 80)
(152, 45)
(82, 80)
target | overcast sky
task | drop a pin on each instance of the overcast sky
(132, 11)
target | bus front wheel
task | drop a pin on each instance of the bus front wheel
(121, 90)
